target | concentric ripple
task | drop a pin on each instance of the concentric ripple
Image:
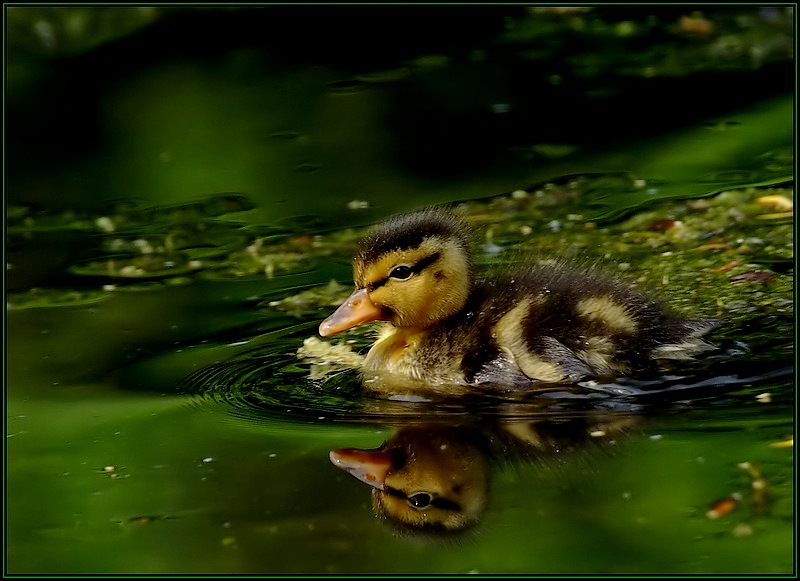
(273, 383)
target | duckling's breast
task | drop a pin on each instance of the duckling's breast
(429, 357)
(394, 349)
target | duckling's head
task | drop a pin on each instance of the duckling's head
(424, 480)
(414, 270)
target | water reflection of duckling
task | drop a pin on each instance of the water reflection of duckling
(544, 323)
(435, 478)
(424, 478)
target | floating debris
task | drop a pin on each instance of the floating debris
(696, 25)
(113, 472)
(758, 498)
(178, 243)
(312, 300)
(146, 519)
(148, 265)
(776, 202)
(776, 216)
(758, 486)
(327, 358)
(357, 205)
(760, 276)
(54, 297)
(723, 506)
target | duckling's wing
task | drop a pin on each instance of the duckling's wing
(565, 326)
(569, 365)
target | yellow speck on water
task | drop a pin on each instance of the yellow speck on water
(775, 216)
(776, 202)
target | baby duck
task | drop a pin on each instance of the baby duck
(447, 331)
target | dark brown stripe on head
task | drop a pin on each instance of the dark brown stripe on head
(408, 231)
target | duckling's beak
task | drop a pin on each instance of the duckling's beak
(356, 310)
(369, 466)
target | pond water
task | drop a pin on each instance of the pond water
(182, 204)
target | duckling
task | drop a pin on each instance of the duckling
(446, 330)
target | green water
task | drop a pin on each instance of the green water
(158, 418)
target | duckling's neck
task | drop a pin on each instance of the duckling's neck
(392, 346)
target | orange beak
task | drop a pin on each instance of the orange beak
(369, 466)
(356, 310)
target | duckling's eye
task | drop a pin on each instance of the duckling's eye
(420, 500)
(401, 272)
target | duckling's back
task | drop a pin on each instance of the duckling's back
(554, 324)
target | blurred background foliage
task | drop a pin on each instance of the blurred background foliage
(332, 103)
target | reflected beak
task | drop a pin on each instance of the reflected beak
(369, 466)
(356, 310)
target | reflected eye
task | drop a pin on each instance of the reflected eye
(420, 500)
(401, 272)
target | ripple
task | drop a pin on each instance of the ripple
(264, 386)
